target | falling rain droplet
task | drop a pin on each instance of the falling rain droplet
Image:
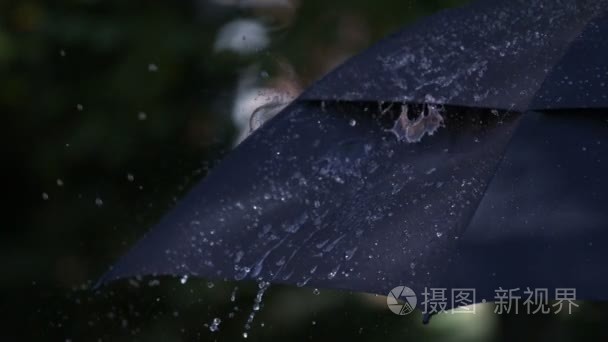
(142, 116)
(263, 286)
(215, 325)
(316, 292)
(130, 177)
(152, 67)
(45, 196)
(98, 202)
(439, 234)
(59, 182)
(184, 279)
(245, 334)
(352, 122)
(79, 107)
(210, 285)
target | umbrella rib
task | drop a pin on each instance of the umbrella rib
(468, 220)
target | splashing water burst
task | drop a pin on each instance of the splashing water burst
(413, 130)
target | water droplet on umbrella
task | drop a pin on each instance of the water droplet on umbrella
(333, 273)
(349, 254)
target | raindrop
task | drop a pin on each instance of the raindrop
(45, 196)
(238, 256)
(349, 254)
(184, 279)
(210, 285)
(439, 234)
(281, 262)
(352, 122)
(245, 334)
(98, 202)
(316, 292)
(142, 116)
(242, 272)
(233, 294)
(130, 177)
(264, 74)
(59, 182)
(152, 67)
(215, 325)
(333, 273)
(79, 107)
(62, 53)
(263, 286)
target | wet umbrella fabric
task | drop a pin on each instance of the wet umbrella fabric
(325, 195)
(512, 55)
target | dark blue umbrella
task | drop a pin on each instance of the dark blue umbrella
(467, 151)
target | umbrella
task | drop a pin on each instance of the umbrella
(466, 151)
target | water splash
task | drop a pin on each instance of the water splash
(257, 305)
(413, 130)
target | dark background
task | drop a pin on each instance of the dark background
(113, 109)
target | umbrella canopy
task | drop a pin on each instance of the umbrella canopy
(514, 55)
(349, 188)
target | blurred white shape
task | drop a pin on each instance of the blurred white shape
(242, 36)
(253, 105)
(256, 3)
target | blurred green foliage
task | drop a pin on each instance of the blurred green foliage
(95, 93)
